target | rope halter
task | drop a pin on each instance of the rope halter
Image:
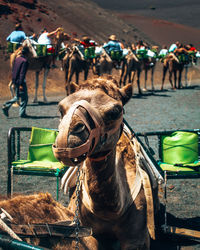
(75, 155)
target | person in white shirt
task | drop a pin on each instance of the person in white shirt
(45, 38)
(163, 52)
(174, 46)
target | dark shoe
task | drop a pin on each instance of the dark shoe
(24, 116)
(5, 111)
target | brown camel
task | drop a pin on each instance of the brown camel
(42, 208)
(135, 65)
(74, 63)
(91, 136)
(104, 64)
(130, 65)
(37, 64)
(114, 191)
(150, 66)
(174, 63)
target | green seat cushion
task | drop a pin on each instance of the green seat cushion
(37, 165)
(41, 49)
(188, 168)
(11, 47)
(116, 55)
(40, 155)
(180, 147)
(89, 52)
(40, 148)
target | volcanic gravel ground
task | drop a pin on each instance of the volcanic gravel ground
(152, 112)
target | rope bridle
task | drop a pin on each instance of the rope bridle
(96, 134)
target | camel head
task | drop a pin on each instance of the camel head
(61, 36)
(91, 120)
(32, 53)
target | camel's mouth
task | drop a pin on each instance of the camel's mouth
(62, 155)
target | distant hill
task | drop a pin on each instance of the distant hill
(185, 12)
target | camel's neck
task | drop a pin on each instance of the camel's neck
(103, 187)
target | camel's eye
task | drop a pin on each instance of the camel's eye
(61, 113)
(114, 113)
(78, 128)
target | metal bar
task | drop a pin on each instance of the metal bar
(8, 243)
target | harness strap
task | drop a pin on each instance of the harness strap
(62, 229)
(94, 133)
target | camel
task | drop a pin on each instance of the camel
(41, 208)
(115, 196)
(133, 64)
(129, 65)
(150, 66)
(37, 64)
(91, 138)
(104, 64)
(174, 65)
(190, 68)
(74, 63)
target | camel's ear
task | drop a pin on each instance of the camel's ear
(126, 93)
(73, 87)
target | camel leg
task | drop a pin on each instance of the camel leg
(152, 78)
(69, 77)
(86, 74)
(145, 79)
(122, 74)
(133, 76)
(163, 77)
(35, 100)
(46, 71)
(138, 82)
(77, 77)
(179, 78)
(71, 72)
(186, 75)
(170, 79)
(127, 73)
(175, 78)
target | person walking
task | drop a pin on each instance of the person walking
(19, 71)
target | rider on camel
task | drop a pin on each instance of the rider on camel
(114, 49)
(18, 35)
(45, 39)
(86, 48)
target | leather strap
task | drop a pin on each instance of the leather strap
(61, 229)
(95, 133)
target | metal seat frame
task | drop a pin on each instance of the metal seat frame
(14, 141)
(143, 139)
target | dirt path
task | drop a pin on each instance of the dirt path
(154, 111)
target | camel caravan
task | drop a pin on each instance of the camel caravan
(114, 203)
(78, 56)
